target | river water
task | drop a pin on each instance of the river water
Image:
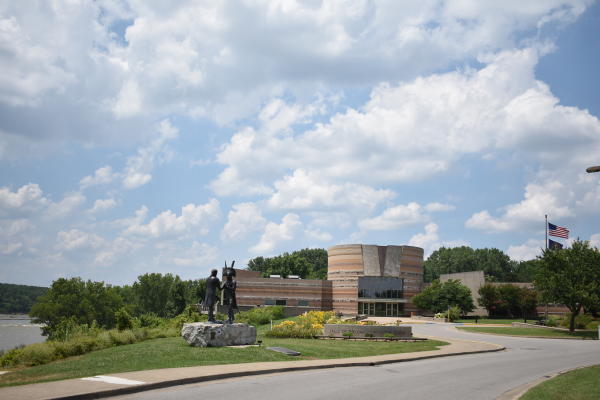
(16, 330)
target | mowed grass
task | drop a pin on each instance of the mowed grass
(538, 332)
(174, 352)
(581, 384)
(485, 321)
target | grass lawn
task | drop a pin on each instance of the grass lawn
(531, 332)
(491, 321)
(175, 352)
(581, 384)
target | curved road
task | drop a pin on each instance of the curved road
(476, 376)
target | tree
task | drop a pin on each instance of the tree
(153, 294)
(317, 260)
(306, 263)
(496, 265)
(79, 301)
(571, 277)
(18, 299)
(438, 297)
(489, 298)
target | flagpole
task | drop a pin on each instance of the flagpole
(546, 233)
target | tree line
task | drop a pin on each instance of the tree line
(18, 299)
(306, 263)
(495, 264)
(88, 302)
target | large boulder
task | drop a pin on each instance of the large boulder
(206, 334)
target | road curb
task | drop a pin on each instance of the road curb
(199, 379)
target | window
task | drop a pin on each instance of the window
(379, 287)
(269, 302)
(302, 303)
(280, 302)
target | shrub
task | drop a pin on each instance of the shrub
(581, 321)
(308, 325)
(261, 315)
(453, 313)
(150, 320)
(388, 335)
(124, 320)
(368, 335)
(348, 335)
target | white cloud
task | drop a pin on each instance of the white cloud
(65, 207)
(301, 191)
(402, 215)
(75, 239)
(198, 255)
(102, 176)
(194, 220)
(430, 241)
(526, 251)
(28, 198)
(243, 219)
(540, 199)
(137, 172)
(118, 247)
(319, 235)
(595, 240)
(277, 233)
(101, 205)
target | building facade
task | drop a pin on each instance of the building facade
(361, 279)
(375, 280)
(302, 294)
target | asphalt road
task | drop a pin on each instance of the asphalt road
(477, 376)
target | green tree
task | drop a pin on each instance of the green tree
(317, 259)
(82, 302)
(489, 298)
(571, 277)
(496, 265)
(438, 297)
(153, 292)
(306, 263)
(18, 299)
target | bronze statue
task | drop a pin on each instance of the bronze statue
(212, 284)
(229, 286)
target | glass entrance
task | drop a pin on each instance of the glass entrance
(380, 309)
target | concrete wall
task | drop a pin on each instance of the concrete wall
(359, 331)
(473, 280)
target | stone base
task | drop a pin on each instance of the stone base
(206, 334)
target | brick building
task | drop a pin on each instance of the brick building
(361, 279)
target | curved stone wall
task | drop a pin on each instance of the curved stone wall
(346, 263)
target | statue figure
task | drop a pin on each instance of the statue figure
(229, 286)
(212, 284)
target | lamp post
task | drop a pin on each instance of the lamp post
(593, 169)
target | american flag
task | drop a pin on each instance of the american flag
(558, 231)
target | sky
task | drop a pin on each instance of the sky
(148, 136)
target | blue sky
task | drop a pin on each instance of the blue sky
(141, 136)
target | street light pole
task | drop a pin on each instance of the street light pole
(593, 169)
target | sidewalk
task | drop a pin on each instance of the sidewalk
(130, 382)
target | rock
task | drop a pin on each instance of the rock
(206, 334)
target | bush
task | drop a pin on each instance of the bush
(388, 335)
(124, 320)
(150, 320)
(348, 335)
(308, 325)
(453, 313)
(581, 321)
(261, 315)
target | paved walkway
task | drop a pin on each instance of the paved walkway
(129, 382)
